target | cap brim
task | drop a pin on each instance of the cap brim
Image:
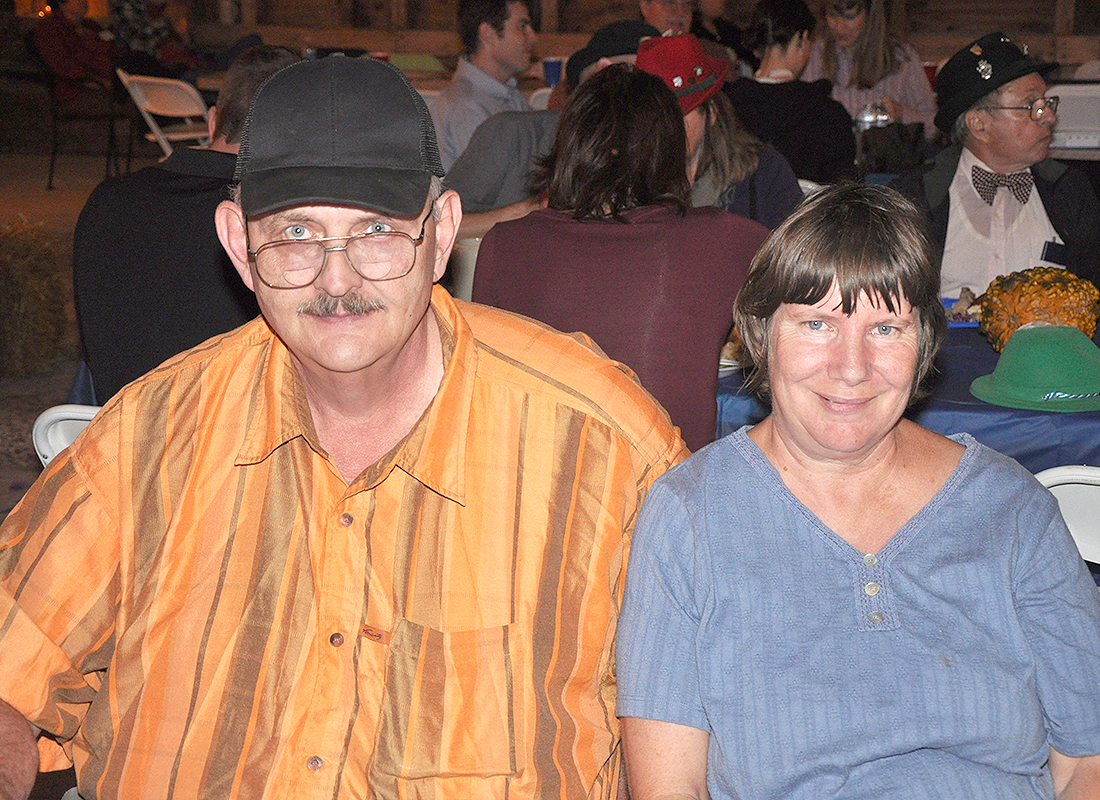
(401, 193)
(984, 388)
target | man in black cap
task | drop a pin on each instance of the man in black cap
(371, 544)
(995, 202)
(492, 172)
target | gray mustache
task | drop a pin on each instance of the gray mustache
(327, 305)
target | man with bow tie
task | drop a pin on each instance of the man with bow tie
(995, 203)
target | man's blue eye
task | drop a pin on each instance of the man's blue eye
(815, 325)
(885, 330)
(297, 232)
(378, 227)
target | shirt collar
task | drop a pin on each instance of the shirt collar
(201, 163)
(434, 452)
(483, 81)
(968, 160)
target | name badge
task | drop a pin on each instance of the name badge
(1055, 253)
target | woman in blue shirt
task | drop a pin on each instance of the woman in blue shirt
(838, 603)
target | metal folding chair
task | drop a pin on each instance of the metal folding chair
(168, 97)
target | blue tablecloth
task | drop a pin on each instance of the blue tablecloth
(1037, 439)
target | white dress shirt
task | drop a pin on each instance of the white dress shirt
(984, 241)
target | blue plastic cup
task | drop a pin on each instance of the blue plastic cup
(551, 71)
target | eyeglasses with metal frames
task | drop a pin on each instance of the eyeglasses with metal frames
(1036, 109)
(294, 263)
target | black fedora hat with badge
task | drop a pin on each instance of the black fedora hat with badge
(983, 65)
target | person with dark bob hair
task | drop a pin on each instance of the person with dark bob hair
(619, 254)
(838, 602)
(801, 120)
(617, 148)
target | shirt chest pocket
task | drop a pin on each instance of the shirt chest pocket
(453, 704)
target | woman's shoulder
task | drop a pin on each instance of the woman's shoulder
(524, 226)
(721, 228)
(973, 464)
(726, 462)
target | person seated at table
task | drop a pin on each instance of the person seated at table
(619, 254)
(728, 166)
(804, 123)
(837, 602)
(499, 38)
(866, 64)
(993, 103)
(78, 52)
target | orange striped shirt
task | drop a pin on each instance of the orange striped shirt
(196, 604)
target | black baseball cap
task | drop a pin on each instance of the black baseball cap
(983, 65)
(337, 131)
(613, 39)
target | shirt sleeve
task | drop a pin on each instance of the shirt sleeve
(59, 589)
(1059, 611)
(655, 647)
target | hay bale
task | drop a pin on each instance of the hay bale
(33, 299)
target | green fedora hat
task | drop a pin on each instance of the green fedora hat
(1047, 368)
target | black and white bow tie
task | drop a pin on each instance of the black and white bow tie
(986, 183)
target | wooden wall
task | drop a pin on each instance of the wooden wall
(1068, 32)
(1054, 17)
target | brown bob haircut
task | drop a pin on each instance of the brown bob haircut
(620, 145)
(868, 240)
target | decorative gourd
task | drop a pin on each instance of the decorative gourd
(1039, 294)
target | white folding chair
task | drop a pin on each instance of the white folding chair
(1077, 489)
(167, 97)
(461, 265)
(57, 427)
(539, 98)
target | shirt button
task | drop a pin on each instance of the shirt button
(870, 560)
(315, 763)
(336, 639)
(875, 617)
(346, 519)
(871, 589)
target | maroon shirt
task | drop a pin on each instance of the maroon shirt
(656, 293)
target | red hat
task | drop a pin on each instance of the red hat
(681, 63)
